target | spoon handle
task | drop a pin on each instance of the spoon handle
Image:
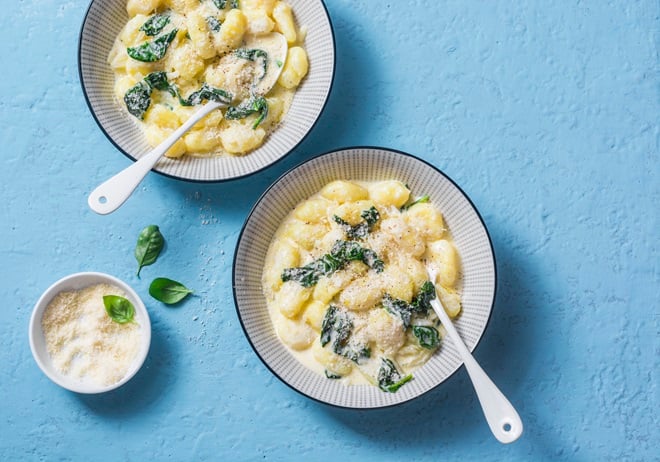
(111, 194)
(502, 418)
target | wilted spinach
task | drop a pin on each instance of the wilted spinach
(255, 104)
(420, 304)
(340, 255)
(389, 379)
(362, 229)
(254, 55)
(336, 329)
(154, 50)
(138, 99)
(207, 92)
(419, 200)
(155, 24)
(213, 23)
(428, 336)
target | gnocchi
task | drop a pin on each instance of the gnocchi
(175, 54)
(347, 267)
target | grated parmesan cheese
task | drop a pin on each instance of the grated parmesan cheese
(83, 342)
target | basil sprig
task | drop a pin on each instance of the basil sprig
(119, 309)
(168, 291)
(155, 24)
(149, 245)
(154, 50)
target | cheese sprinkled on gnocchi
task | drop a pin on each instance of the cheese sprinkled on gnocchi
(173, 55)
(346, 284)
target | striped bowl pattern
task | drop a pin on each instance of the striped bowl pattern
(363, 164)
(104, 21)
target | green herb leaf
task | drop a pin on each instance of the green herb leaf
(149, 244)
(362, 229)
(220, 4)
(255, 104)
(155, 24)
(340, 255)
(168, 291)
(428, 336)
(389, 378)
(118, 308)
(158, 81)
(336, 329)
(331, 375)
(254, 55)
(213, 23)
(155, 50)
(207, 92)
(420, 305)
(138, 99)
(419, 200)
(279, 63)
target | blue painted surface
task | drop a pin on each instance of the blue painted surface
(546, 113)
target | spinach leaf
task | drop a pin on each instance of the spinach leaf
(422, 302)
(420, 305)
(168, 291)
(149, 244)
(336, 329)
(155, 24)
(158, 81)
(150, 52)
(207, 92)
(399, 308)
(253, 55)
(255, 104)
(389, 379)
(362, 229)
(340, 255)
(419, 200)
(331, 375)
(220, 4)
(118, 308)
(428, 336)
(138, 99)
(213, 23)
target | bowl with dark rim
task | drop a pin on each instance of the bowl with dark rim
(103, 22)
(469, 233)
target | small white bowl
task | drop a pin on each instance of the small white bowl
(79, 281)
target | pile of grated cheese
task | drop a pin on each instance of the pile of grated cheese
(84, 343)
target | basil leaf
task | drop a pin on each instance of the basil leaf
(428, 336)
(149, 244)
(149, 52)
(155, 24)
(248, 107)
(213, 23)
(118, 308)
(138, 99)
(168, 291)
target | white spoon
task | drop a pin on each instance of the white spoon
(502, 418)
(111, 194)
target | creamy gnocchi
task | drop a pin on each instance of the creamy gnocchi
(173, 55)
(346, 283)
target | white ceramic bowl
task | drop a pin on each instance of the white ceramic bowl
(366, 164)
(79, 281)
(103, 22)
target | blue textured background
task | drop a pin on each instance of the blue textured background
(546, 113)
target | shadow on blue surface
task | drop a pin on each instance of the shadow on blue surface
(142, 391)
